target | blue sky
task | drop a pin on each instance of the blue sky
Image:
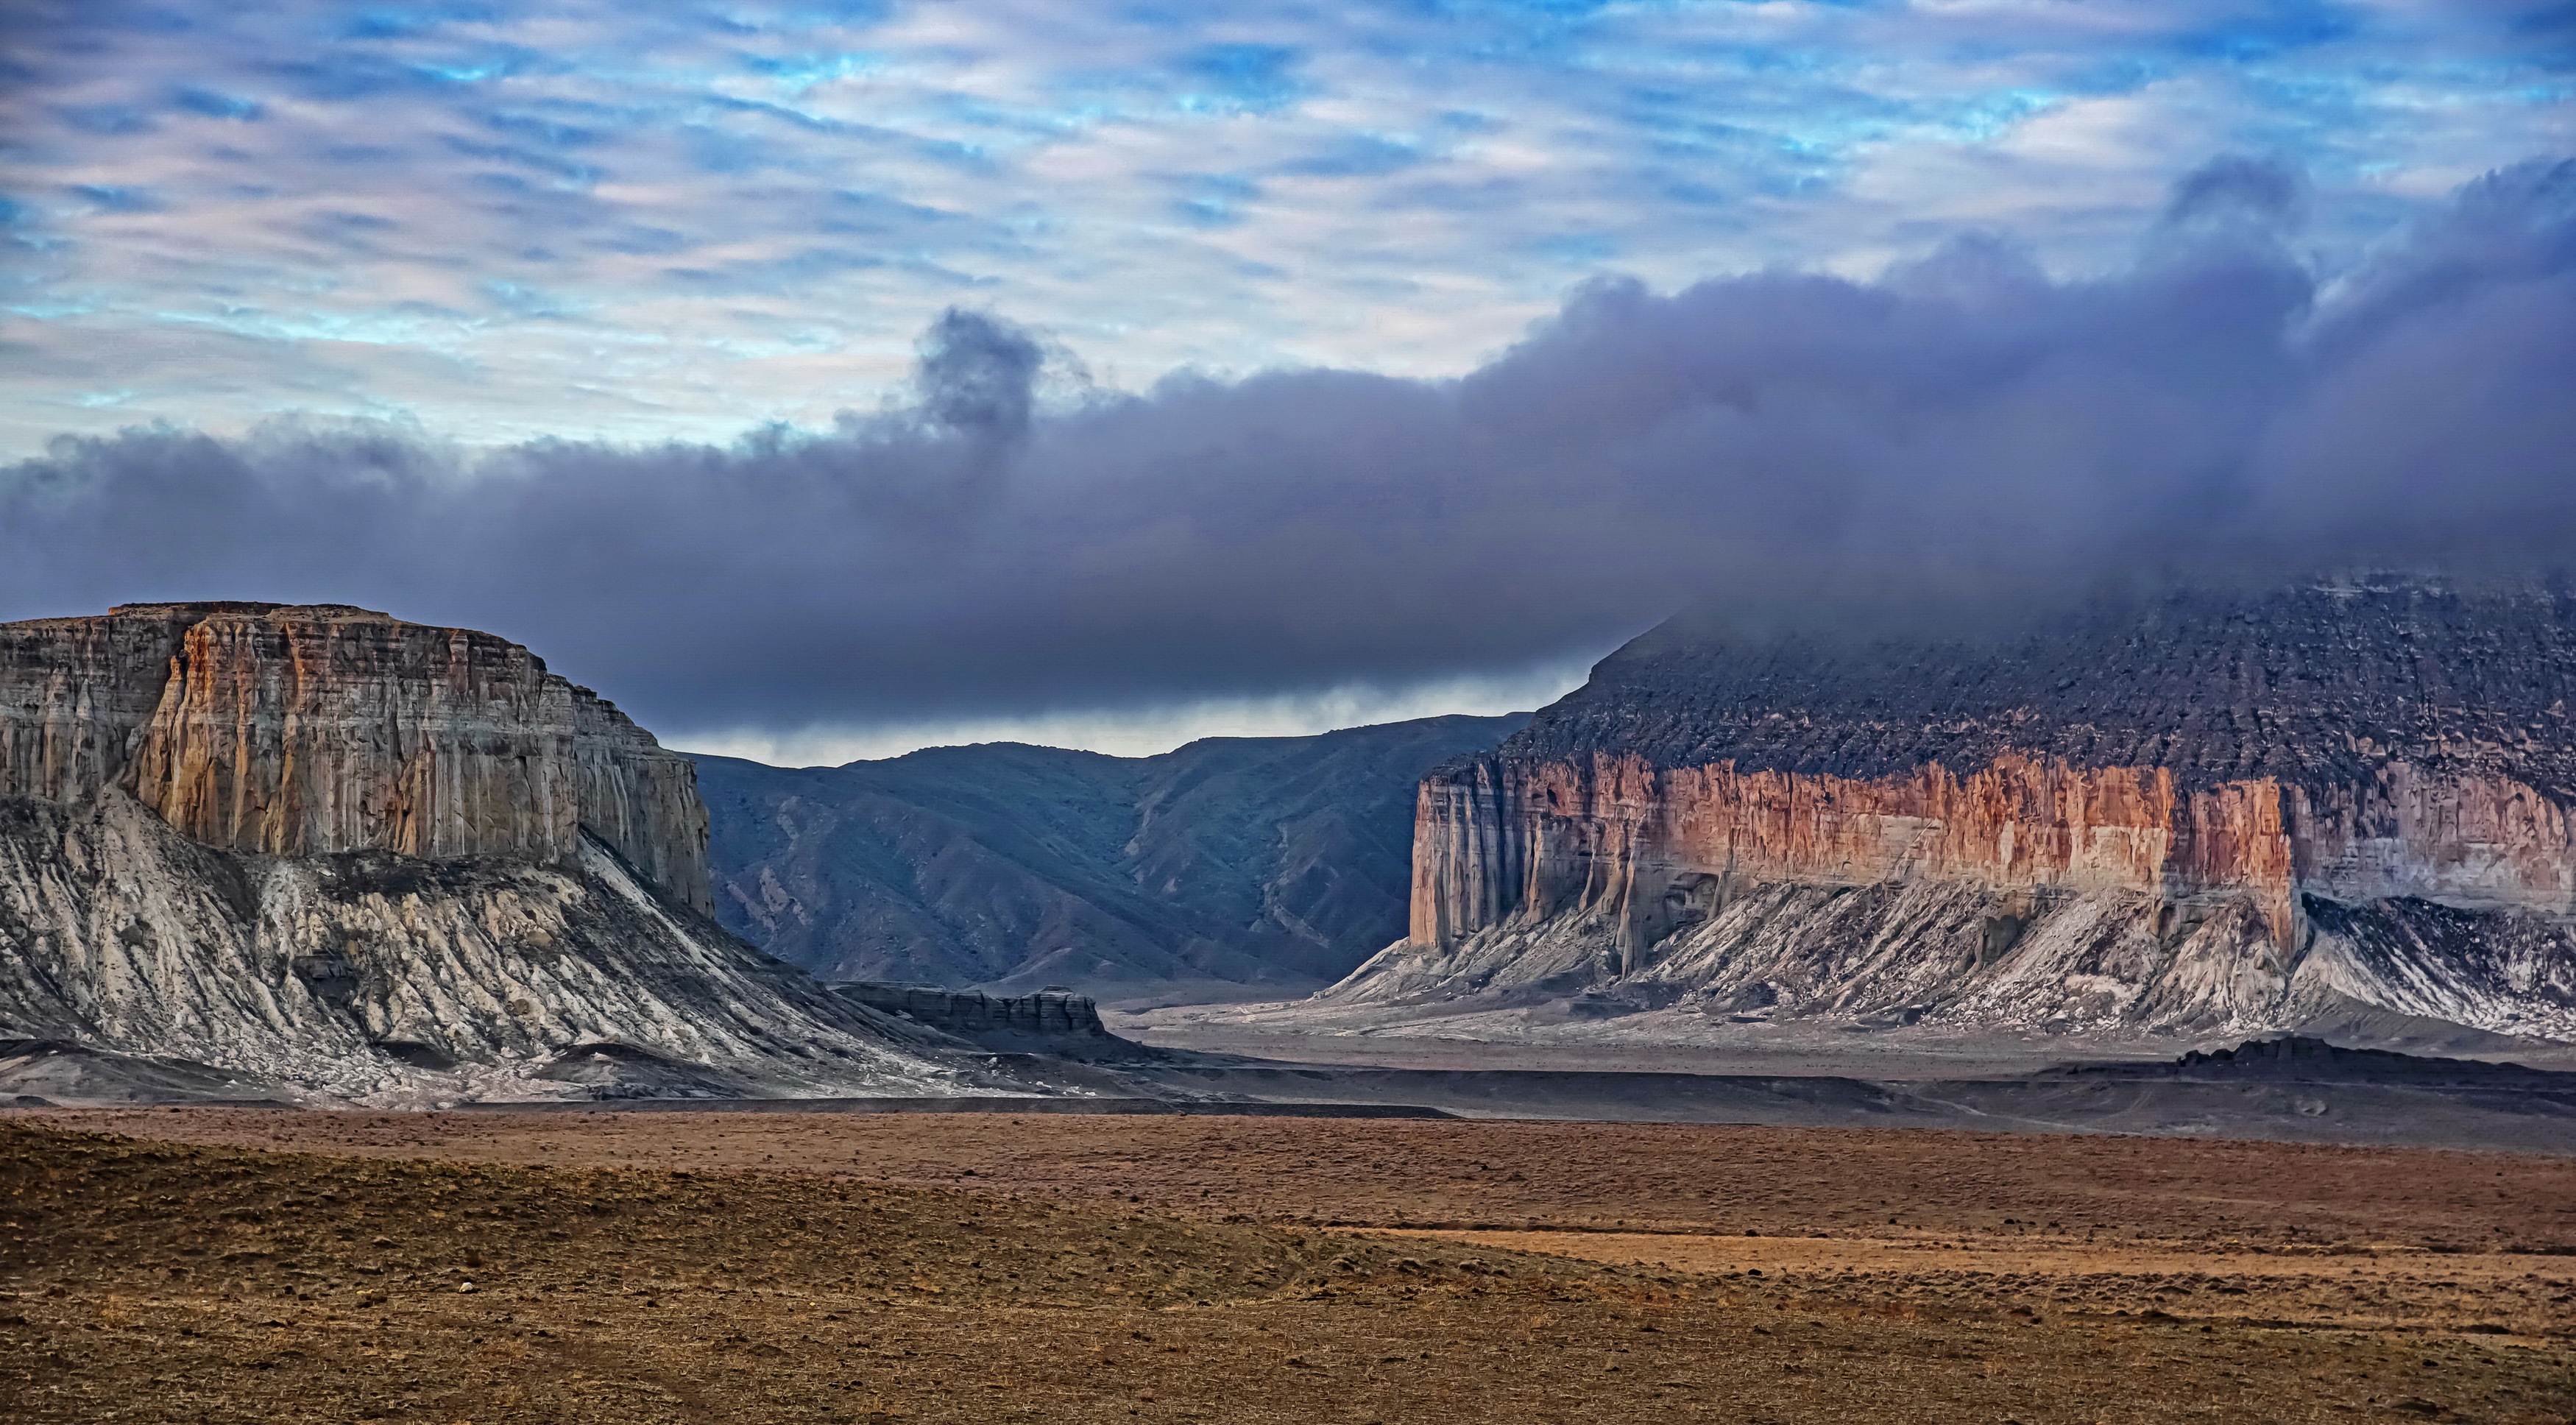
(485, 229)
(512, 218)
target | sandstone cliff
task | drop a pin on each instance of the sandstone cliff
(296, 731)
(2210, 813)
(321, 851)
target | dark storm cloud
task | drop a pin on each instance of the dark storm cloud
(2268, 192)
(978, 375)
(1965, 428)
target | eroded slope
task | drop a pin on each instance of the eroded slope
(381, 978)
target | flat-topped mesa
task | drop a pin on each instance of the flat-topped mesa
(2353, 742)
(300, 730)
(1654, 850)
(1046, 1022)
(2162, 804)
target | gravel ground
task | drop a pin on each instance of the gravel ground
(674, 1268)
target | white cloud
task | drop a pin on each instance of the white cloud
(745, 221)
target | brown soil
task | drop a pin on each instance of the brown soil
(765, 1281)
(1518, 1174)
(2352, 1289)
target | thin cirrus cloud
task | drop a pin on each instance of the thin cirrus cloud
(514, 218)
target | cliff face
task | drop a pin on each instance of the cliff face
(300, 731)
(321, 851)
(1655, 849)
(2142, 821)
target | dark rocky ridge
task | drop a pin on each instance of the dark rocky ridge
(2297, 1058)
(2318, 685)
(1258, 861)
(1046, 1022)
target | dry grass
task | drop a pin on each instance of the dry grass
(1522, 1174)
(158, 1281)
(2349, 1289)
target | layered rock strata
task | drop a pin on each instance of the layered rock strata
(2211, 813)
(296, 731)
(332, 853)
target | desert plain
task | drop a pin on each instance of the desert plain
(224, 1264)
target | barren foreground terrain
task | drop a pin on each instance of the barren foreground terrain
(241, 1265)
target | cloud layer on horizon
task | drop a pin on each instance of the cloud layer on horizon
(1966, 425)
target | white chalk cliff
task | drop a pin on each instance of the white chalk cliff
(324, 849)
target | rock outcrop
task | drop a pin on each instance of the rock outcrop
(2299, 1059)
(298, 731)
(319, 851)
(1060, 1023)
(2207, 814)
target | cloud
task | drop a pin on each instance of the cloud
(1142, 732)
(2266, 192)
(977, 377)
(743, 211)
(1966, 427)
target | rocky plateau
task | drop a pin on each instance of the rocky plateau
(2208, 814)
(250, 850)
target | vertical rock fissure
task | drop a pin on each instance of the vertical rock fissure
(304, 730)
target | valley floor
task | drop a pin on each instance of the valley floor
(279, 1266)
(1546, 1039)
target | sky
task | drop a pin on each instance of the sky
(824, 379)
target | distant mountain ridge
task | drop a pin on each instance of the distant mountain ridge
(1272, 862)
